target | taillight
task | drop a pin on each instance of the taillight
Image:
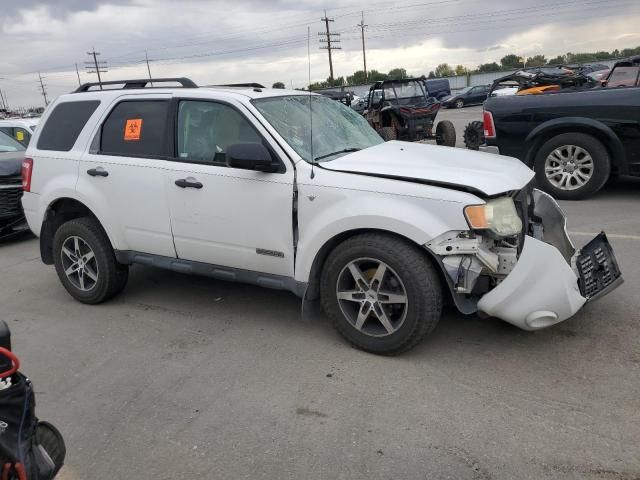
(27, 170)
(489, 127)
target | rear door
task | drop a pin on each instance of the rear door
(228, 216)
(122, 174)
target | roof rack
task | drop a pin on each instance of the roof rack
(240, 85)
(141, 83)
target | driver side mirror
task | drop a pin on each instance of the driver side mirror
(251, 156)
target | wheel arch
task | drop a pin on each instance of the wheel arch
(313, 285)
(601, 132)
(58, 212)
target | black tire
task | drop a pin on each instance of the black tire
(474, 135)
(421, 284)
(388, 134)
(111, 275)
(446, 134)
(593, 147)
(459, 103)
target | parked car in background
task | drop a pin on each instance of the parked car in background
(381, 232)
(467, 96)
(437, 88)
(11, 215)
(574, 139)
(21, 129)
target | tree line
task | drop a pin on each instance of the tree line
(508, 62)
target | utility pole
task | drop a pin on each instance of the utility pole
(44, 92)
(329, 42)
(2, 104)
(78, 74)
(5, 102)
(364, 53)
(148, 68)
(96, 66)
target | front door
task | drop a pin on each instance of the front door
(227, 216)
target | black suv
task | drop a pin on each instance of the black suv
(11, 215)
(574, 139)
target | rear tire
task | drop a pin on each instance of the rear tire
(446, 134)
(572, 166)
(386, 314)
(388, 134)
(85, 261)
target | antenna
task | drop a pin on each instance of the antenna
(313, 161)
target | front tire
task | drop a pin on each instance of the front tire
(572, 166)
(381, 293)
(446, 134)
(459, 103)
(85, 261)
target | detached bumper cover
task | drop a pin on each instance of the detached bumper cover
(540, 291)
(543, 289)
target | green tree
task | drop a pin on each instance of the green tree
(432, 74)
(461, 70)
(559, 60)
(358, 78)
(488, 67)
(444, 70)
(376, 76)
(510, 62)
(536, 61)
(398, 74)
(278, 85)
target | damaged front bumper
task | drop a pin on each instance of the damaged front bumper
(547, 283)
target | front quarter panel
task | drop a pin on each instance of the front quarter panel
(333, 203)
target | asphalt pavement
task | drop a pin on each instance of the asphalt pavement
(183, 377)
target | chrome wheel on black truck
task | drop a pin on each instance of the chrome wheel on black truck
(572, 166)
(381, 293)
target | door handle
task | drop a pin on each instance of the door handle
(98, 172)
(188, 183)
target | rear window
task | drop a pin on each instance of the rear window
(623, 76)
(65, 123)
(136, 128)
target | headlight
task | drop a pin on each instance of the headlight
(499, 216)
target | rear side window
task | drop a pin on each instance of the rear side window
(136, 128)
(65, 123)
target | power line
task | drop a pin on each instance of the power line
(328, 41)
(97, 66)
(44, 92)
(364, 53)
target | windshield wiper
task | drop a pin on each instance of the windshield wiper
(344, 150)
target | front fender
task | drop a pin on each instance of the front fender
(334, 213)
(578, 124)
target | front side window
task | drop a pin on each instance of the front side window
(207, 129)
(336, 128)
(136, 128)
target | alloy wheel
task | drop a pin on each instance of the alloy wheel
(372, 297)
(569, 167)
(79, 263)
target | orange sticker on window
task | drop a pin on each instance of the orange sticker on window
(132, 129)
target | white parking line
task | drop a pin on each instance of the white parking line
(609, 235)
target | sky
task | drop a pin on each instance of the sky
(223, 41)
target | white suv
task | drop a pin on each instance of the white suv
(294, 191)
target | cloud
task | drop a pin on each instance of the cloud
(253, 40)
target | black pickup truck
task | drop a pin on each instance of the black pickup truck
(575, 140)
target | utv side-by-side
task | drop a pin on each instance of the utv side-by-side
(401, 109)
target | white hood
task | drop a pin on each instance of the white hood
(477, 171)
